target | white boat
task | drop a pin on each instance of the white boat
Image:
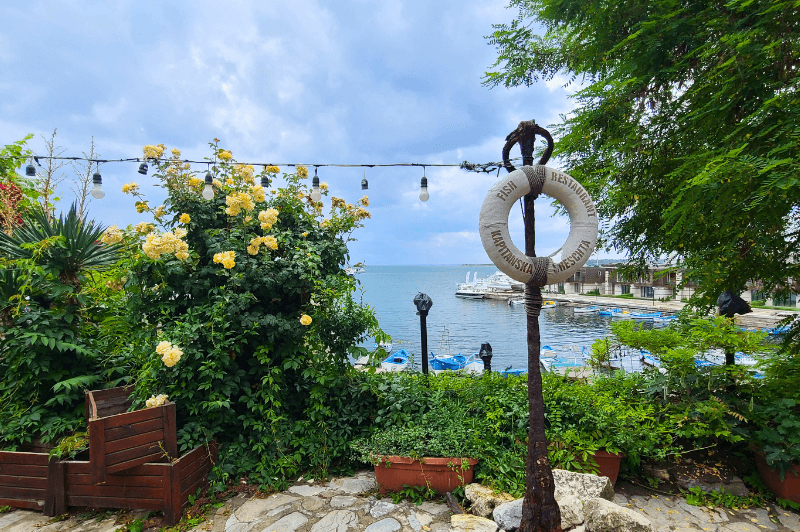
(353, 270)
(624, 315)
(497, 283)
(470, 290)
(386, 346)
(517, 301)
(396, 362)
(586, 310)
(645, 316)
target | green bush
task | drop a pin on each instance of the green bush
(245, 317)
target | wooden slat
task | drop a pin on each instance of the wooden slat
(137, 416)
(188, 459)
(23, 482)
(126, 431)
(97, 450)
(199, 464)
(192, 489)
(93, 501)
(13, 492)
(55, 497)
(129, 464)
(170, 430)
(10, 457)
(153, 481)
(124, 492)
(200, 474)
(24, 470)
(131, 443)
(18, 503)
(77, 470)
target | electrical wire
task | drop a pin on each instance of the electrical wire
(466, 165)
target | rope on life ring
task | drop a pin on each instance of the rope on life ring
(493, 225)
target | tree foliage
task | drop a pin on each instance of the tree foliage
(687, 126)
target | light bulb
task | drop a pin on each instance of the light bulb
(423, 189)
(208, 190)
(97, 189)
(315, 194)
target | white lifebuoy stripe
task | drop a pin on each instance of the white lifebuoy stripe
(493, 224)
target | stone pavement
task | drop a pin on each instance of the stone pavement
(349, 505)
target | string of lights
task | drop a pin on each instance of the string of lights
(208, 191)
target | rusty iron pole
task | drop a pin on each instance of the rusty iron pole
(540, 511)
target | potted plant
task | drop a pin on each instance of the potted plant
(776, 443)
(433, 450)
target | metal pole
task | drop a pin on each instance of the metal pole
(423, 334)
(540, 511)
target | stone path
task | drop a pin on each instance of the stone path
(347, 505)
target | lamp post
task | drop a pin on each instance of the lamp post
(423, 303)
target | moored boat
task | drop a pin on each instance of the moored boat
(396, 362)
(646, 316)
(586, 310)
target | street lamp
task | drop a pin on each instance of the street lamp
(423, 303)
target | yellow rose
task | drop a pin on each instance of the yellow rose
(130, 188)
(305, 319)
(185, 218)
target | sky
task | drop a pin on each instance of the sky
(352, 81)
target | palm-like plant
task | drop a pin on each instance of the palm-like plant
(74, 245)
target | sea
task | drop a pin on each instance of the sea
(460, 326)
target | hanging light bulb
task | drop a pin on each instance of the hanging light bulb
(208, 190)
(264, 180)
(97, 189)
(30, 170)
(143, 168)
(423, 187)
(364, 183)
(315, 194)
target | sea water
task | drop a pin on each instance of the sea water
(457, 325)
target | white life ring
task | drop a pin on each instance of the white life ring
(493, 224)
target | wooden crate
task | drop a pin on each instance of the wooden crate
(132, 464)
(158, 486)
(23, 479)
(121, 440)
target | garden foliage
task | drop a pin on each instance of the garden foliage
(239, 310)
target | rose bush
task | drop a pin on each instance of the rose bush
(251, 286)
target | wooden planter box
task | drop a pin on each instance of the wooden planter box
(132, 464)
(441, 474)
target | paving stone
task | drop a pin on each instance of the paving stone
(739, 527)
(354, 485)
(381, 508)
(762, 519)
(11, 518)
(278, 510)
(384, 525)
(620, 499)
(287, 523)
(414, 523)
(343, 501)
(313, 503)
(440, 527)
(308, 491)
(660, 514)
(788, 519)
(472, 523)
(423, 518)
(336, 521)
(252, 509)
(435, 509)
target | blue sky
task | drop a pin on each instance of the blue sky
(352, 82)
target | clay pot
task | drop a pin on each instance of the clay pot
(608, 464)
(441, 474)
(788, 488)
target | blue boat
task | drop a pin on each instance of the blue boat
(777, 331)
(396, 362)
(610, 311)
(645, 315)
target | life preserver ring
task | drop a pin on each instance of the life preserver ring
(493, 224)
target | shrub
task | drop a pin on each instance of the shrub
(246, 317)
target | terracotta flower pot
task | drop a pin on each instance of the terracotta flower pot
(441, 474)
(788, 488)
(608, 464)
